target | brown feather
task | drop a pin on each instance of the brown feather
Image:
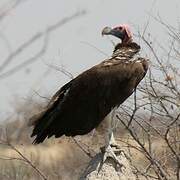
(80, 105)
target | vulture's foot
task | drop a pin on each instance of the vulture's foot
(111, 151)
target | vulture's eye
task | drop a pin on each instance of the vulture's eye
(120, 28)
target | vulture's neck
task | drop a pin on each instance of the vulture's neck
(126, 51)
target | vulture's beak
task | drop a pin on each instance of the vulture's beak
(106, 31)
(114, 32)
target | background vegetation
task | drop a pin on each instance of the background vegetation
(148, 124)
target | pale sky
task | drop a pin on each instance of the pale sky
(68, 45)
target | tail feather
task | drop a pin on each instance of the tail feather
(39, 139)
(46, 123)
(45, 126)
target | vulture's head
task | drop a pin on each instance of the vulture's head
(122, 31)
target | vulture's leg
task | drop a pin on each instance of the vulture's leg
(111, 125)
(111, 148)
(112, 141)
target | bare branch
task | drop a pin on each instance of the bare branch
(32, 40)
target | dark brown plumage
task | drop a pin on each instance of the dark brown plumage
(81, 104)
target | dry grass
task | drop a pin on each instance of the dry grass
(63, 159)
(60, 160)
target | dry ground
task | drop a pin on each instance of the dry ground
(64, 159)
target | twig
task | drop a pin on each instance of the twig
(24, 158)
(32, 40)
(86, 152)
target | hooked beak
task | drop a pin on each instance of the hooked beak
(114, 32)
(106, 31)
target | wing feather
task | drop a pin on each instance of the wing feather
(80, 105)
